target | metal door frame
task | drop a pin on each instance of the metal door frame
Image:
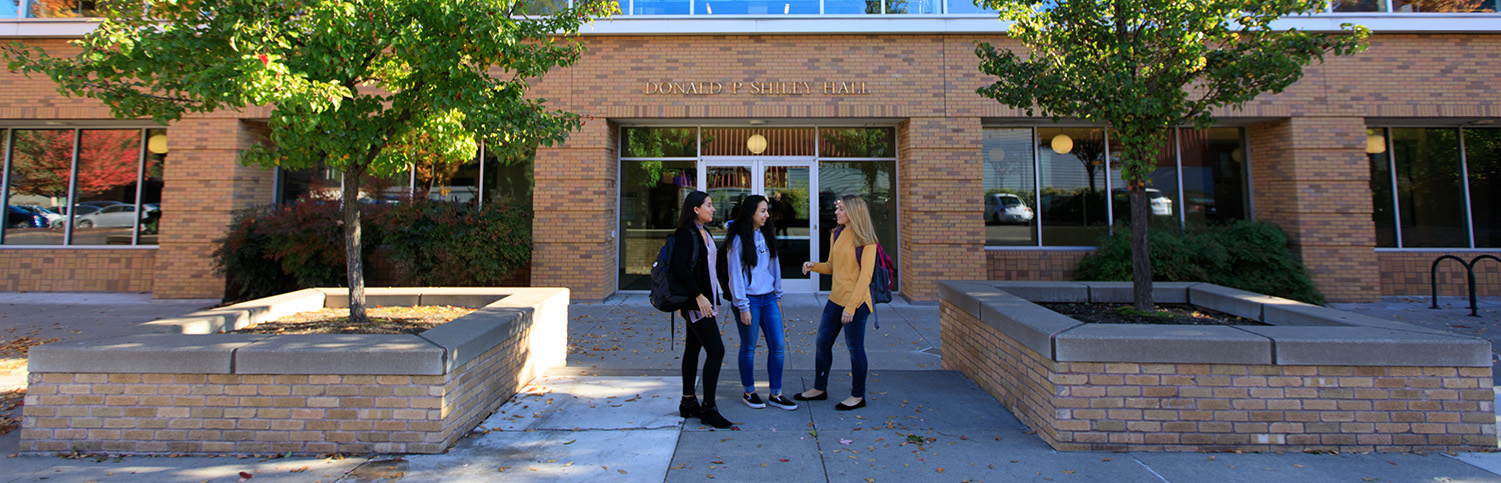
(758, 165)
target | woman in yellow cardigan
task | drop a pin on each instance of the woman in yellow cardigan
(849, 300)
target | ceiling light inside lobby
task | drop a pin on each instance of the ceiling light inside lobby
(1062, 144)
(1375, 144)
(756, 144)
(157, 144)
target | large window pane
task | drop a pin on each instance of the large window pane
(1072, 168)
(757, 7)
(105, 208)
(1383, 206)
(452, 183)
(9, 8)
(1359, 5)
(851, 6)
(857, 142)
(660, 7)
(151, 186)
(651, 193)
(1010, 192)
(1443, 6)
(1431, 200)
(64, 8)
(967, 6)
(658, 142)
(1483, 156)
(300, 184)
(1214, 175)
(509, 181)
(758, 141)
(1162, 191)
(40, 164)
(875, 181)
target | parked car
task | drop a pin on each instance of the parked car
(1161, 205)
(53, 219)
(110, 216)
(18, 217)
(1007, 208)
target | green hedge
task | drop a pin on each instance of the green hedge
(1246, 255)
(273, 250)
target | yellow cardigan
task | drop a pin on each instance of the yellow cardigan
(851, 281)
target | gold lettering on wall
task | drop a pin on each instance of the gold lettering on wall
(757, 88)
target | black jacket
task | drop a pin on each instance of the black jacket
(695, 283)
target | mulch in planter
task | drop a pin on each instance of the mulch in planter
(1167, 314)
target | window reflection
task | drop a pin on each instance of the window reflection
(1483, 158)
(509, 181)
(1445, 6)
(1382, 214)
(1072, 209)
(1214, 179)
(658, 142)
(1162, 191)
(851, 6)
(64, 9)
(9, 8)
(104, 209)
(40, 173)
(651, 193)
(758, 7)
(1431, 200)
(875, 181)
(1358, 6)
(857, 142)
(660, 7)
(151, 186)
(1010, 194)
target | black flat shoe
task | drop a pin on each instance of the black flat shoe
(820, 397)
(842, 407)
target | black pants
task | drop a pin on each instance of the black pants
(704, 335)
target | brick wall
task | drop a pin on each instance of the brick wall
(1407, 273)
(263, 414)
(1034, 265)
(78, 270)
(941, 225)
(1096, 406)
(575, 206)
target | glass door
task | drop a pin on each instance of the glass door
(787, 183)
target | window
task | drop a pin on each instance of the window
(486, 179)
(1062, 186)
(1435, 187)
(83, 187)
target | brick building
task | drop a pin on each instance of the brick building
(1373, 164)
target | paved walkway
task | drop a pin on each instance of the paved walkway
(612, 414)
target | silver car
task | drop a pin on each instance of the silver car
(110, 216)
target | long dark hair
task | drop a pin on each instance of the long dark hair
(686, 216)
(742, 228)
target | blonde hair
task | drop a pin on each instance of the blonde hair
(859, 224)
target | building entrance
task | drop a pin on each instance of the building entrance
(787, 184)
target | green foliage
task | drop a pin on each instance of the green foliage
(431, 243)
(1132, 312)
(1247, 255)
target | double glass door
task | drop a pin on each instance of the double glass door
(787, 184)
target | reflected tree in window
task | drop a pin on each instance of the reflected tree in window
(106, 161)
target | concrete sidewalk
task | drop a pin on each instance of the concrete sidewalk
(612, 413)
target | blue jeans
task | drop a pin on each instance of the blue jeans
(766, 315)
(854, 338)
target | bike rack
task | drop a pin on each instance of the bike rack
(1469, 278)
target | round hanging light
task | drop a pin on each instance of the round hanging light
(756, 144)
(1375, 144)
(157, 143)
(1062, 144)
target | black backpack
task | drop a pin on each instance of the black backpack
(663, 296)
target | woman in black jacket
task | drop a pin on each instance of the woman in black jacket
(697, 276)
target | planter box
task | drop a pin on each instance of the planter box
(188, 389)
(1316, 379)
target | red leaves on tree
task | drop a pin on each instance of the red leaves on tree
(43, 160)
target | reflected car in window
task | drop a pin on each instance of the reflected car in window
(1006, 208)
(1161, 205)
(109, 216)
(18, 217)
(53, 219)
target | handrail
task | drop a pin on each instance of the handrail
(1469, 278)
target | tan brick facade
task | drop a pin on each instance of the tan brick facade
(1097, 406)
(1309, 174)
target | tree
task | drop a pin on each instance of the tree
(365, 86)
(44, 161)
(1142, 67)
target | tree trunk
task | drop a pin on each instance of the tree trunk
(352, 246)
(1141, 256)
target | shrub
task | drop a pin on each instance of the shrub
(272, 250)
(1246, 255)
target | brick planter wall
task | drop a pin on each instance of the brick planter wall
(1136, 406)
(142, 407)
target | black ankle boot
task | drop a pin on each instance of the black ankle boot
(709, 414)
(689, 407)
